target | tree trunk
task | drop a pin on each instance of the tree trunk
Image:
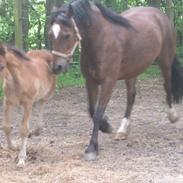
(155, 3)
(25, 23)
(169, 10)
(125, 4)
(18, 23)
(48, 6)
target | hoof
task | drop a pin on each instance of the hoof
(35, 132)
(172, 116)
(90, 156)
(21, 163)
(105, 127)
(173, 119)
(121, 136)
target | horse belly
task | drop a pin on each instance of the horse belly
(135, 66)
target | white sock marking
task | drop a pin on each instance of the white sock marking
(125, 123)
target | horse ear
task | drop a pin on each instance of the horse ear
(70, 11)
(2, 50)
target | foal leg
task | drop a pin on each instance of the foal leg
(39, 125)
(123, 130)
(7, 123)
(103, 99)
(93, 91)
(172, 114)
(24, 133)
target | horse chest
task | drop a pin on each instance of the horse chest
(92, 69)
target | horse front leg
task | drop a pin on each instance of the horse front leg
(93, 91)
(124, 128)
(102, 101)
(24, 131)
(7, 123)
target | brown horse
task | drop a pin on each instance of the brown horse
(26, 79)
(115, 47)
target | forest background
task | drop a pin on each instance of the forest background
(24, 23)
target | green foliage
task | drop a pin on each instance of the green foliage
(71, 78)
(6, 21)
(152, 72)
(37, 19)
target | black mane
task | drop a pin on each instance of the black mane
(60, 15)
(19, 53)
(81, 11)
(114, 17)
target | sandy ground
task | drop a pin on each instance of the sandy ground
(153, 152)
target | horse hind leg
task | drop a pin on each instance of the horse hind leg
(167, 74)
(124, 128)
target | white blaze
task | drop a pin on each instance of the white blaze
(56, 30)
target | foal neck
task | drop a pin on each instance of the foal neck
(14, 65)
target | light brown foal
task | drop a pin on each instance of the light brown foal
(27, 78)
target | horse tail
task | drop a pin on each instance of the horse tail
(177, 81)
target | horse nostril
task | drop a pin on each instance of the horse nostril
(59, 67)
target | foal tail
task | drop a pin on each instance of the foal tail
(177, 81)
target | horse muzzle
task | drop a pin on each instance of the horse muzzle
(60, 66)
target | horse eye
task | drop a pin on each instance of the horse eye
(67, 36)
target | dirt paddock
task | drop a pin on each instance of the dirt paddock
(153, 152)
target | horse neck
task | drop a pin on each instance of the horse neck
(95, 28)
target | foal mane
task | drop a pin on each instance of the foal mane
(82, 10)
(18, 53)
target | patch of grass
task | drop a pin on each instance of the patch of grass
(151, 72)
(180, 53)
(71, 78)
(74, 77)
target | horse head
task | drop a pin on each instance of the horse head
(65, 37)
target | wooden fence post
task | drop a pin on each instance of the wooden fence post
(18, 23)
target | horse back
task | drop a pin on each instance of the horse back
(153, 37)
